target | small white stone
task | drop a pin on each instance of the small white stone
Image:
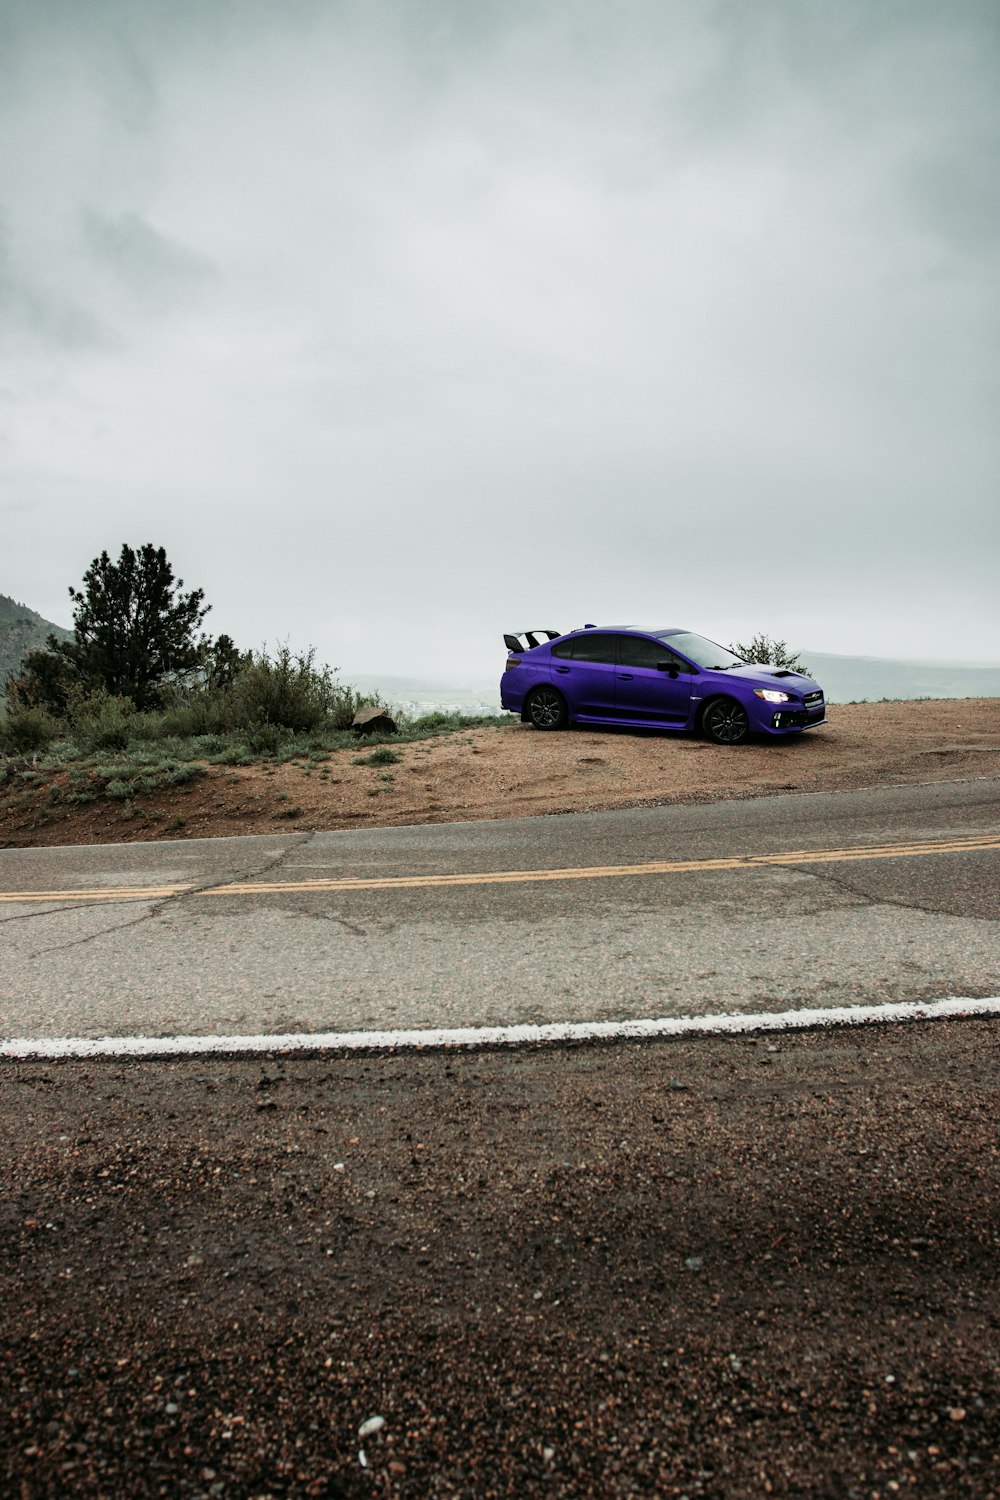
(374, 1424)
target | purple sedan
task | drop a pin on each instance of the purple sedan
(663, 679)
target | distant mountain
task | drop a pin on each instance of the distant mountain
(21, 631)
(844, 679)
(847, 679)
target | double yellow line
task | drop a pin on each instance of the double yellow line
(914, 849)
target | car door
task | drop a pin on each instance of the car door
(583, 669)
(652, 684)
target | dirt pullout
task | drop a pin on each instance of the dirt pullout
(712, 1268)
(513, 771)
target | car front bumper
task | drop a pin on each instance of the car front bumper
(785, 720)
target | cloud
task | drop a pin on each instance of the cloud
(153, 267)
(654, 310)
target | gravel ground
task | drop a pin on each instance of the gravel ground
(513, 771)
(705, 1268)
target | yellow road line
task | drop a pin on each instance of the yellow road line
(916, 848)
(105, 893)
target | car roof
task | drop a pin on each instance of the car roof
(632, 629)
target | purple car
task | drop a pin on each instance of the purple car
(665, 679)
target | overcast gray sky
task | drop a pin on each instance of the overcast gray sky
(404, 324)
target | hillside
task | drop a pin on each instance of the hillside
(21, 631)
(849, 679)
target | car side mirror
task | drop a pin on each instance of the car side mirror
(668, 666)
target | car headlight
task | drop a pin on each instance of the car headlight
(771, 695)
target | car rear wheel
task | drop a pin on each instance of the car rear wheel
(726, 722)
(547, 709)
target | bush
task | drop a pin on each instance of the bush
(773, 653)
(27, 730)
(181, 775)
(289, 691)
(264, 739)
(101, 722)
(383, 756)
(200, 714)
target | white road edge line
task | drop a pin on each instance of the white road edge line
(493, 1036)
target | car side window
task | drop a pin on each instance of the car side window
(590, 647)
(634, 651)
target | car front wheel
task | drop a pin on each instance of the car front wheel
(547, 709)
(726, 722)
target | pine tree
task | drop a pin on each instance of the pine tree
(133, 632)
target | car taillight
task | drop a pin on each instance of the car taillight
(512, 661)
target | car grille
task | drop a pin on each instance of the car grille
(813, 699)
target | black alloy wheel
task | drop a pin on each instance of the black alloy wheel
(547, 709)
(726, 722)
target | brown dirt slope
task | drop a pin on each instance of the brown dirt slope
(723, 1269)
(513, 771)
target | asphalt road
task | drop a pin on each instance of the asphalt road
(888, 894)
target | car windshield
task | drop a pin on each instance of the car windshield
(704, 654)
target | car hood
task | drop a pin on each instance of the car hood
(758, 675)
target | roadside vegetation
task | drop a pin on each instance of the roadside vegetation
(761, 648)
(138, 702)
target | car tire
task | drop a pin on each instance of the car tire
(725, 722)
(546, 709)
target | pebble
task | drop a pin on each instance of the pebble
(373, 1424)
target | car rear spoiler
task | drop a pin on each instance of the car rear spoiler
(525, 640)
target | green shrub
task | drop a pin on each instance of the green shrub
(287, 691)
(198, 715)
(145, 727)
(181, 775)
(383, 756)
(27, 730)
(237, 754)
(206, 744)
(264, 739)
(101, 722)
(437, 721)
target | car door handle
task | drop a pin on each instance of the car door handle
(562, 669)
(625, 676)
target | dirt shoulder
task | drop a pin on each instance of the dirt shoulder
(716, 1268)
(514, 771)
